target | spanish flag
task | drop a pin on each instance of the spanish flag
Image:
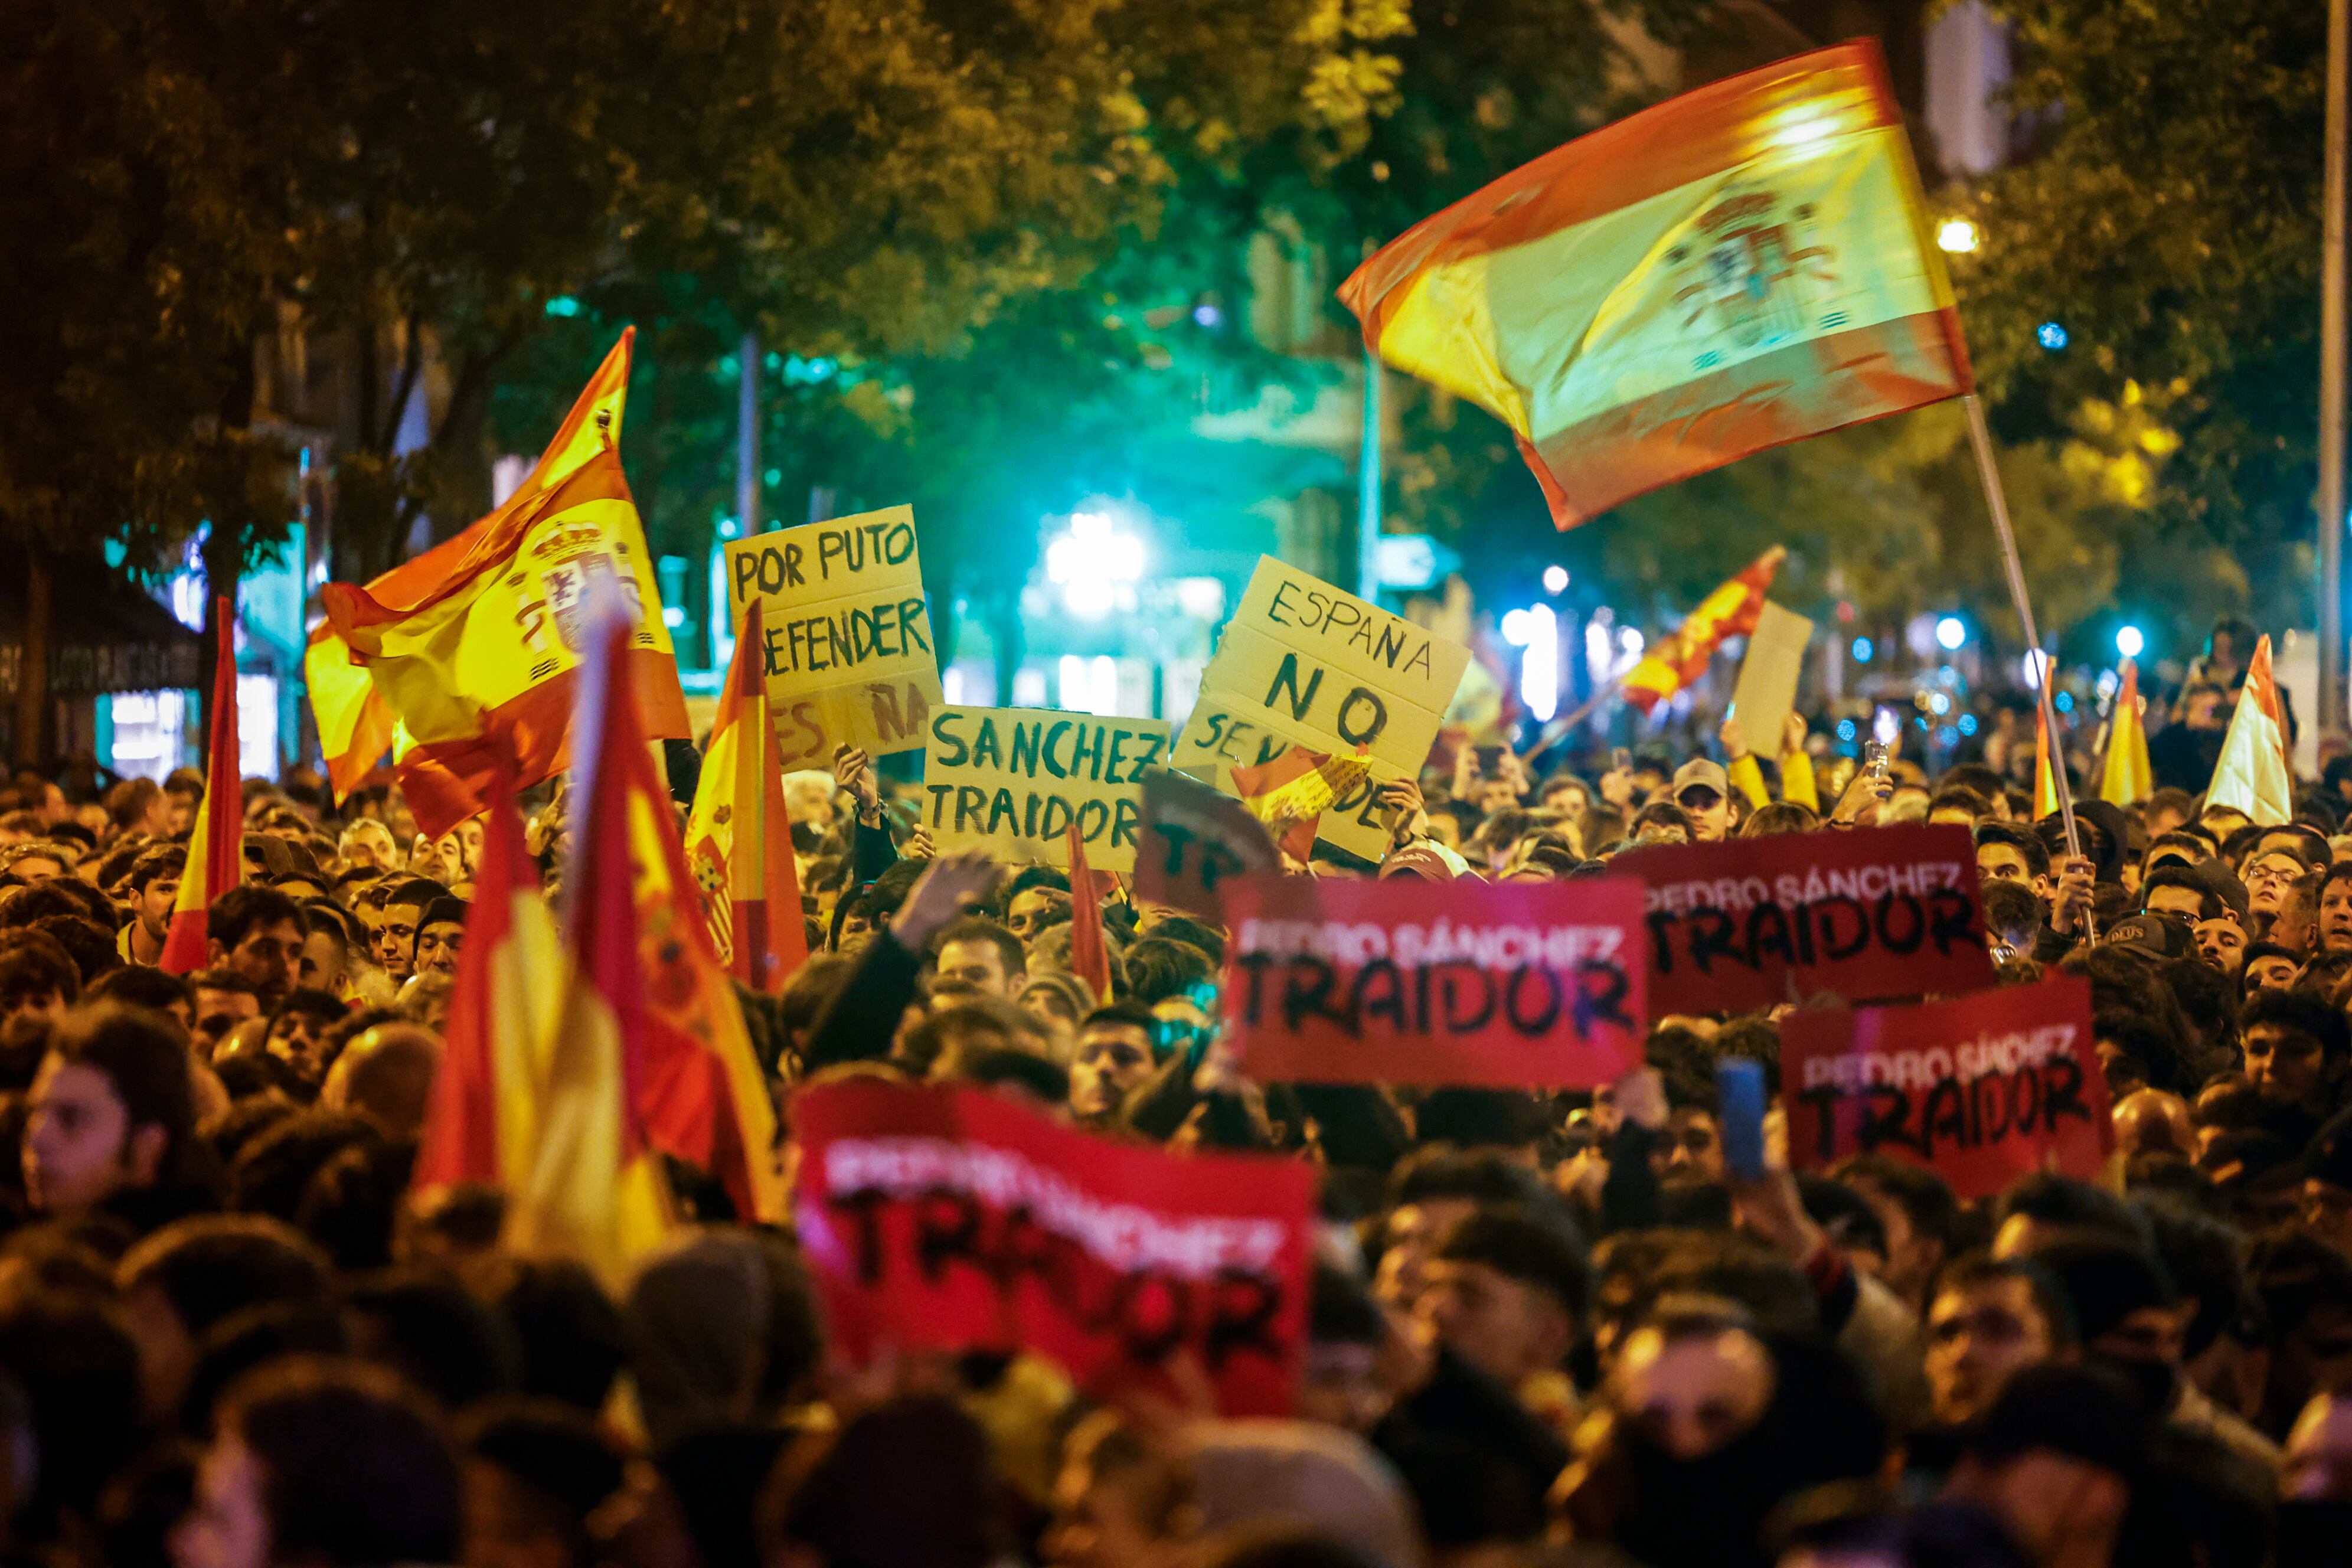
(2255, 775)
(216, 838)
(482, 1124)
(1089, 954)
(591, 1188)
(474, 649)
(1682, 656)
(698, 1088)
(2128, 779)
(753, 899)
(1743, 265)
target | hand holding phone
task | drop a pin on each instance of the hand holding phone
(1739, 1116)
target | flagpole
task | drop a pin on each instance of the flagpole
(1980, 436)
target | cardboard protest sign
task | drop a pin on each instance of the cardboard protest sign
(955, 1218)
(1193, 842)
(1868, 914)
(1766, 693)
(1303, 663)
(1982, 1090)
(847, 640)
(1508, 985)
(1012, 780)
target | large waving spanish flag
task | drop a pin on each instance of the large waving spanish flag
(2255, 774)
(1682, 656)
(1746, 265)
(473, 650)
(739, 840)
(217, 836)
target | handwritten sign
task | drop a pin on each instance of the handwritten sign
(1012, 780)
(956, 1219)
(1982, 1090)
(1869, 914)
(1303, 663)
(1192, 843)
(1511, 986)
(847, 640)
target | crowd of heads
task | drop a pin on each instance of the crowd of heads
(1544, 1327)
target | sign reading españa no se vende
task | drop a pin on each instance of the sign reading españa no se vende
(846, 640)
(1304, 663)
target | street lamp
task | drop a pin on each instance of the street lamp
(1958, 236)
(1096, 564)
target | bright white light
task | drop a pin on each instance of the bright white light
(1516, 627)
(1938, 702)
(1106, 673)
(1028, 687)
(672, 616)
(2029, 670)
(1958, 236)
(1539, 666)
(1951, 632)
(1555, 579)
(1202, 598)
(1630, 641)
(951, 685)
(1597, 651)
(1805, 130)
(1092, 562)
(1073, 684)
(1886, 725)
(2130, 641)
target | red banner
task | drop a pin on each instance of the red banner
(1982, 1090)
(1867, 914)
(1193, 841)
(957, 1218)
(1511, 986)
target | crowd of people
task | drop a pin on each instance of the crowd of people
(1544, 1328)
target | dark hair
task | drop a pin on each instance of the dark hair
(2025, 840)
(1780, 816)
(557, 1452)
(2012, 910)
(1012, 956)
(1663, 813)
(1954, 797)
(38, 958)
(438, 1334)
(272, 1172)
(2302, 1012)
(78, 1366)
(2078, 1205)
(2206, 1257)
(139, 985)
(1926, 1199)
(1200, 933)
(1159, 967)
(572, 1335)
(245, 908)
(1519, 1246)
(2210, 904)
(1469, 1118)
(1009, 1065)
(129, 800)
(2050, 1298)
(209, 1266)
(419, 891)
(357, 1472)
(146, 1059)
(1339, 1311)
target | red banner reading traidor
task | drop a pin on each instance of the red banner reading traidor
(1867, 914)
(956, 1219)
(1983, 1090)
(1507, 986)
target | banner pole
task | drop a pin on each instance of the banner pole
(1980, 436)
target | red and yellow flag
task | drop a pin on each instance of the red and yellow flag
(2255, 775)
(1743, 265)
(504, 1011)
(474, 649)
(217, 836)
(1089, 954)
(2046, 783)
(753, 897)
(697, 1083)
(2127, 779)
(1682, 656)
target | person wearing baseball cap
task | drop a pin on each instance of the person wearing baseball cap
(1703, 790)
